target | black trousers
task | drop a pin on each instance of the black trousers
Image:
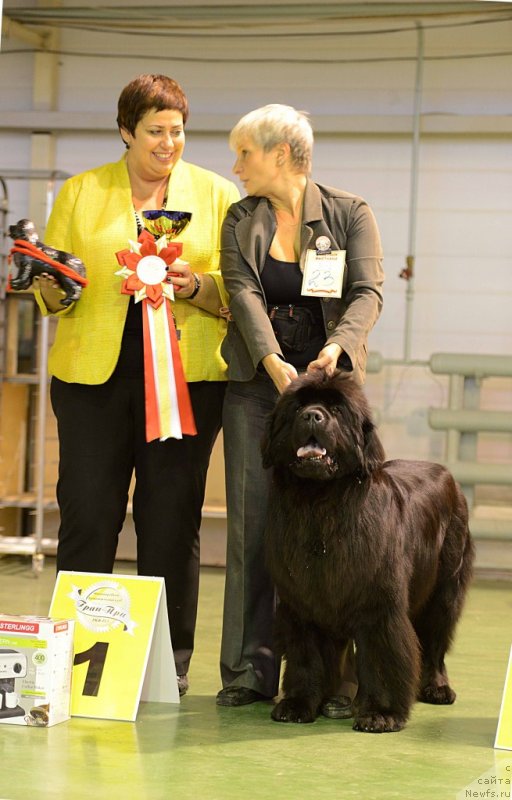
(102, 441)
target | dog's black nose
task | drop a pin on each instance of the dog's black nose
(313, 415)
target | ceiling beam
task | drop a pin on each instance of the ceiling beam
(263, 10)
(103, 122)
(15, 30)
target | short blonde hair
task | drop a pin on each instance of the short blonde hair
(274, 124)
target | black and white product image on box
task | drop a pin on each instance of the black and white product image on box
(36, 661)
(13, 666)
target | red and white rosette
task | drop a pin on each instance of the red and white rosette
(145, 269)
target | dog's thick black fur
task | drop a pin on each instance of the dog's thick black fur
(360, 548)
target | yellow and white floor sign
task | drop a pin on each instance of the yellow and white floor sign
(504, 732)
(122, 645)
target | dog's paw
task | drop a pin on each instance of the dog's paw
(378, 723)
(293, 709)
(437, 695)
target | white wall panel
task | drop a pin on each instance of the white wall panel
(79, 152)
(17, 71)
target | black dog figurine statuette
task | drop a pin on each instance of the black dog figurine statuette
(32, 258)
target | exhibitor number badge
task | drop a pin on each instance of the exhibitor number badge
(323, 273)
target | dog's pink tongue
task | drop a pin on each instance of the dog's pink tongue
(311, 451)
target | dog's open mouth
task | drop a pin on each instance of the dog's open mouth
(314, 452)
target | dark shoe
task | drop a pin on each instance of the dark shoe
(238, 696)
(337, 707)
(182, 684)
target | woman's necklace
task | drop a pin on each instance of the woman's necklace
(139, 220)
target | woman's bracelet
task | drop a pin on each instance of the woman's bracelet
(197, 286)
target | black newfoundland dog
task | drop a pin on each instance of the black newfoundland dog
(361, 549)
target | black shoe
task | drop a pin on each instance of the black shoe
(182, 684)
(238, 696)
(337, 707)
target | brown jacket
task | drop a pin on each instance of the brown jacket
(247, 234)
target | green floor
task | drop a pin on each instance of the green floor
(198, 750)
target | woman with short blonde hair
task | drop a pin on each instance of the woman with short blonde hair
(273, 240)
(275, 123)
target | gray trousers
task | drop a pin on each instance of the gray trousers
(247, 657)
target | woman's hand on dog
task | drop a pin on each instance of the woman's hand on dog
(280, 371)
(326, 360)
(283, 374)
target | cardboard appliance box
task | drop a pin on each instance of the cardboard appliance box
(36, 662)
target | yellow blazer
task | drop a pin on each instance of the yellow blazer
(93, 218)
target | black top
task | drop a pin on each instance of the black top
(130, 363)
(297, 320)
(131, 358)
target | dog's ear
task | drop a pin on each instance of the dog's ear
(373, 451)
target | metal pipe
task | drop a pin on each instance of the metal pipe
(413, 203)
(471, 473)
(470, 420)
(42, 371)
(4, 210)
(491, 528)
(455, 402)
(464, 364)
(478, 366)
